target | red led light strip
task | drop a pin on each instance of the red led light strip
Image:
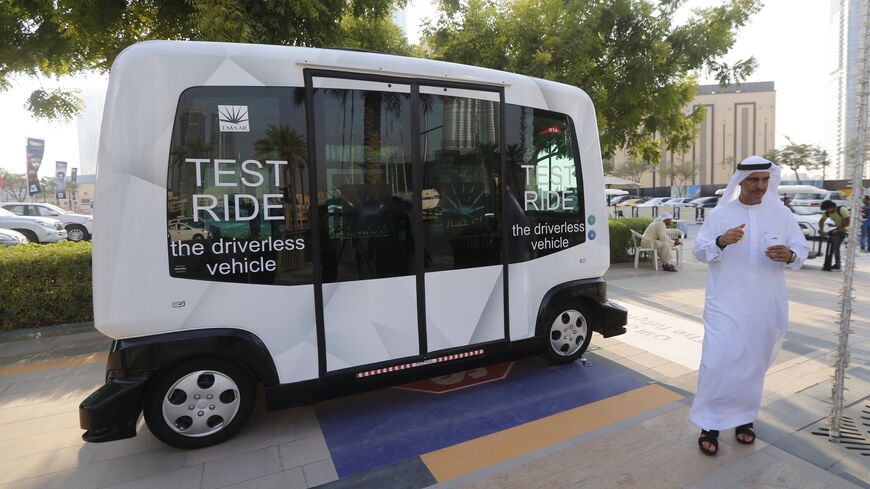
(431, 361)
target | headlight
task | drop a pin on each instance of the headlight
(47, 224)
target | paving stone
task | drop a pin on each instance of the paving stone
(85, 477)
(287, 479)
(303, 451)
(241, 467)
(141, 465)
(186, 478)
(39, 464)
(263, 430)
(319, 473)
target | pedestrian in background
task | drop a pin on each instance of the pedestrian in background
(865, 225)
(656, 236)
(840, 215)
(748, 240)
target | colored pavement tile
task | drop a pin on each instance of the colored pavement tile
(382, 427)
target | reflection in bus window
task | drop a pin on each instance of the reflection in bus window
(461, 205)
(364, 184)
(237, 194)
(543, 182)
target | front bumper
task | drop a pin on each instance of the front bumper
(111, 412)
(614, 318)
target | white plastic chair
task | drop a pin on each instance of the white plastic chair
(678, 249)
(638, 249)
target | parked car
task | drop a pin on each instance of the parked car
(654, 202)
(705, 202)
(36, 229)
(631, 202)
(620, 198)
(815, 198)
(184, 229)
(679, 202)
(808, 219)
(10, 237)
(78, 226)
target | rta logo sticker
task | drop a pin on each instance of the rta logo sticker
(234, 118)
(460, 380)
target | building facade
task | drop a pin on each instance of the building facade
(846, 36)
(739, 121)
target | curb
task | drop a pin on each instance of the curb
(46, 331)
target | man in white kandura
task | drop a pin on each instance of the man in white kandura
(656, 236)
(748, 239)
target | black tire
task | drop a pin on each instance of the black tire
(198, 237)
(211, 420)
(567, 332)
(30, 235)
(76, 233)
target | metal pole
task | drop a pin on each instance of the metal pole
(841, 359)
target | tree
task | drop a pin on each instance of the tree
(633, 169)
(13, 186)
(638, 67)
(57, 38)
(796, 156)
(679, 176)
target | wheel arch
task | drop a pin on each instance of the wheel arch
(141, 357)
(589, 292)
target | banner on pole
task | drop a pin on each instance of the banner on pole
(35, 148)
(60, 188)
(73, 176)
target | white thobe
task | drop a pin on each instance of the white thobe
(745, 310)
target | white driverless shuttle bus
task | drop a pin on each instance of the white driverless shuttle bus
(365, 220)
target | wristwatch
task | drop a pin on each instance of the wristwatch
(792, 259)
(721, 246)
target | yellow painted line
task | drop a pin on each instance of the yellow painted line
(473, 455)
(26, 368)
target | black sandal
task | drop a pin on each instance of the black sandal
(745, 429)
(711, 437)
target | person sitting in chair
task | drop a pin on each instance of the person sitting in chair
(656, 236)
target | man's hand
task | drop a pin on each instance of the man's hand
(732, 236)
(779, 253)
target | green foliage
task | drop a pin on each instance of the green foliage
(68, 37)
(638, 67)
(621, 244)
(47, 284)
(680, 175)
(796, 156)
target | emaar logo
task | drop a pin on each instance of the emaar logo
(234, 118)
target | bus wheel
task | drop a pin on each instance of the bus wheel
(199, 402)
(569, 333)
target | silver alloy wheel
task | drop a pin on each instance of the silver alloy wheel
(75, 234)
(201, 403)
(568, 332)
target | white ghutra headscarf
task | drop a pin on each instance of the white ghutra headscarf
(747, 167)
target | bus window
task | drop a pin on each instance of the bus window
(545, 208)
(237, 170)
(364, 183)
(459, 142)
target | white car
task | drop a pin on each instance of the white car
(184, 229)
(654, 202)
(679, 202)
(10, 237)
(808, 219)
(36, 229)
(78, 226)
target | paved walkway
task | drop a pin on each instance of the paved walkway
(45, 373)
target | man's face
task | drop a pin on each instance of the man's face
(752, 189)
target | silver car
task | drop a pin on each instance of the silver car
(36, 229)
(10, 237)
(78, 226)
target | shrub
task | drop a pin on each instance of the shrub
(621, 244)
(45, 284)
